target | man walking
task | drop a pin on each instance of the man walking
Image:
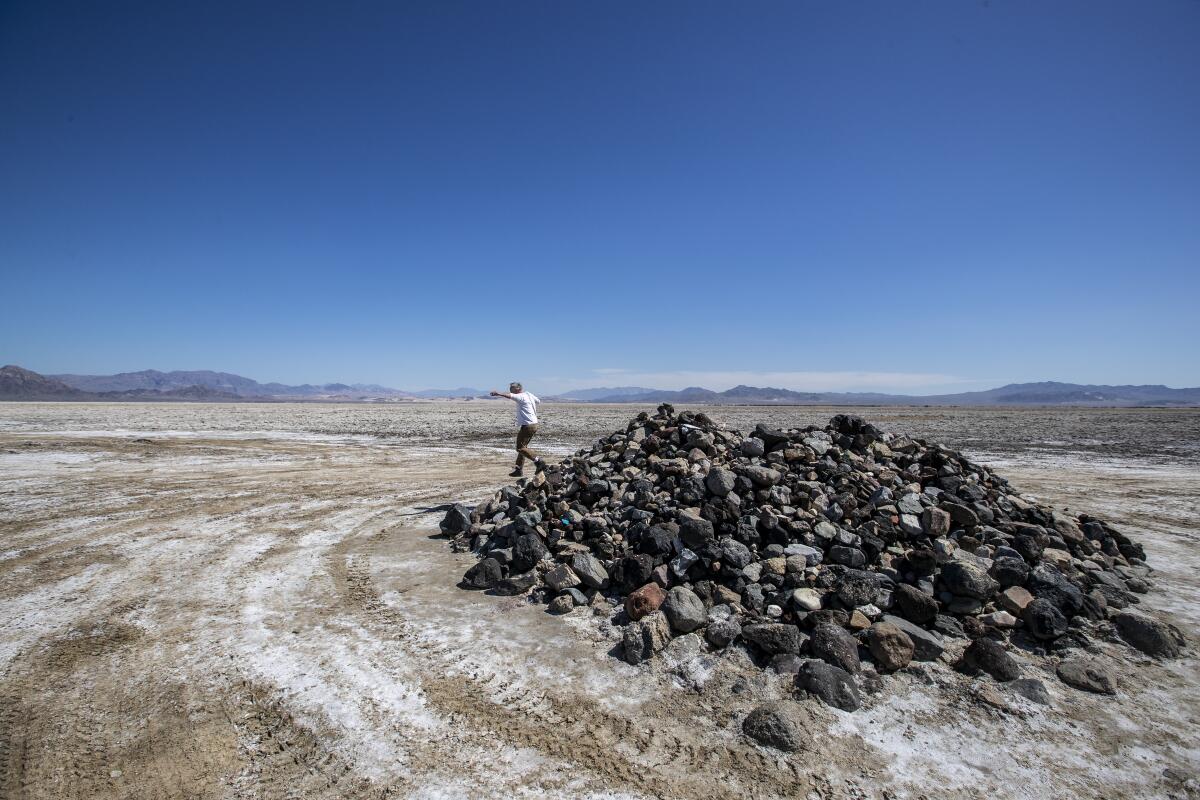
(527, 424)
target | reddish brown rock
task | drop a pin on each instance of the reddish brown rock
(645, 600)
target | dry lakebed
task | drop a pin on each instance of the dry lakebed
(250, 601)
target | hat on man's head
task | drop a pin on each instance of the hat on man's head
(515, 387)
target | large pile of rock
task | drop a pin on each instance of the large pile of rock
(815, 548)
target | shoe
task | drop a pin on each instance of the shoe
(516, 473)
(539, 465)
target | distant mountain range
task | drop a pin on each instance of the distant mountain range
(1044, 393)
(207, 386)
(198, 385)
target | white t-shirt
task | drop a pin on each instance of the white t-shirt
(526, 408)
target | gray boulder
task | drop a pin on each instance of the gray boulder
(722, 632)
(684, 610)
(589, 569)
(720, 481)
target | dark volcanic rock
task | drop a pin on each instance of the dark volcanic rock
(774, 637)
(859, 588)
(1152, 637)
(527, 551)
(914, 605)
(484, 574)
(1043, 620)
(966, 580)
(457, 520)
(516, 584)
(832, 685)
(834, 645)
(770, 726)
(989, 656)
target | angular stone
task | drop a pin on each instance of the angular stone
(915, 605)
(967, 580)
(519, 583)
(696, 532)
(589, 569)
(891, 648)
(927, 645)
(561, 577)
(935, 522)
(761, 477)
(961, 515)
(734, 553)
(720, 481)
(642, 639)
(1014, 599)
(859, 588)
(561, 604)
(457, 520)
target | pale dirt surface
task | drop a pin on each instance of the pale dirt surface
(224, 601)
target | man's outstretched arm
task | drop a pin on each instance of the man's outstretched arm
(494, 393)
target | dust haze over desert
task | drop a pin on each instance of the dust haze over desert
(599, 401)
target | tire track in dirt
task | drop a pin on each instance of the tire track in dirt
(282, 757)
(645, 757)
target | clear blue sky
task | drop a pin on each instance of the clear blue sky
(864, 195)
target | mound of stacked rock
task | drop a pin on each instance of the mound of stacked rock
(815, 548)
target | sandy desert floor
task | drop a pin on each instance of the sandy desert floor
(245, 601)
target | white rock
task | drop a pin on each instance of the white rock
(807, 599)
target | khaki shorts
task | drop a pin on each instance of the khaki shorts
(524, 436)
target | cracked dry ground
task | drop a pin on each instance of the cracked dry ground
(254, 616)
